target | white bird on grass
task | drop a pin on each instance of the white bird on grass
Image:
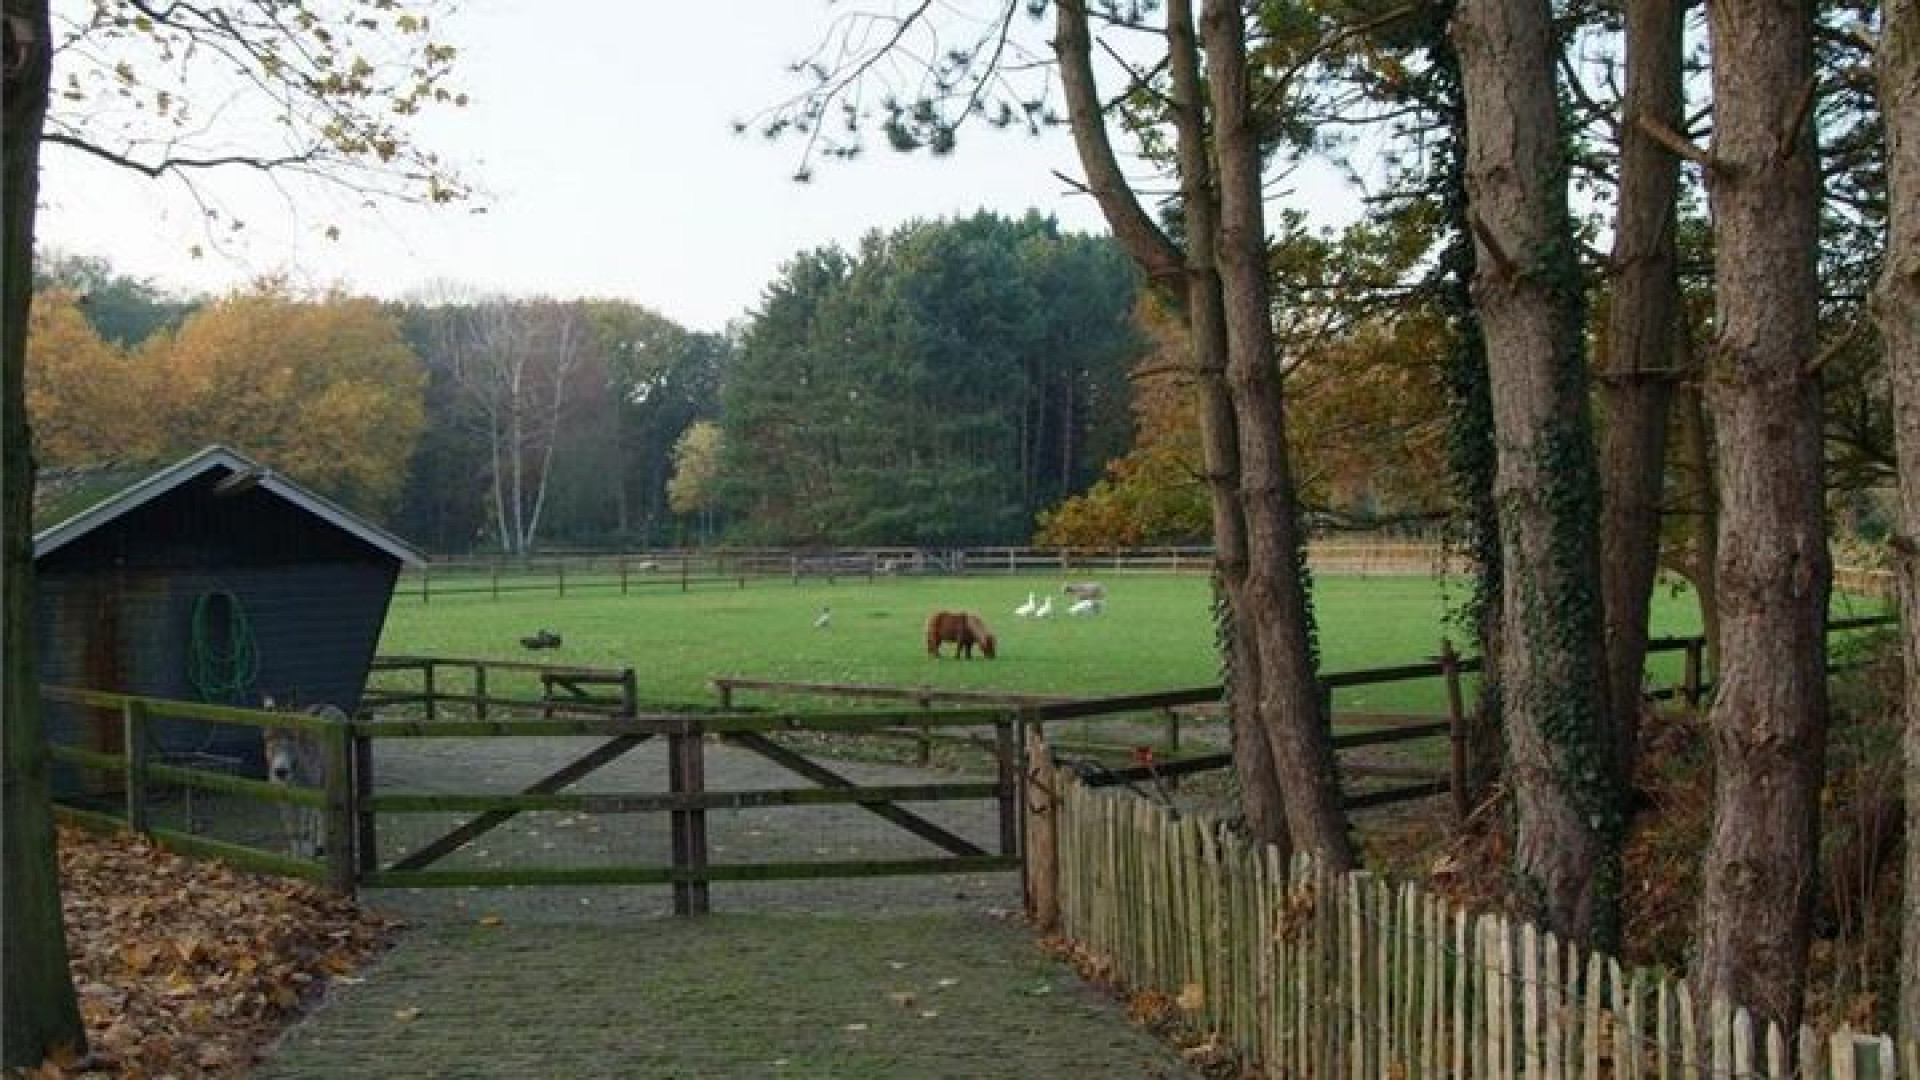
(1026, 609)
(1045, 611)
(1086, 606)
(824, 619)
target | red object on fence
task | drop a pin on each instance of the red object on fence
(1143, 755)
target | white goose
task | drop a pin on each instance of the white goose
(1085, 606)
(1026, 609)
(1045, 610)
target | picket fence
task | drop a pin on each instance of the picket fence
(1308, 974)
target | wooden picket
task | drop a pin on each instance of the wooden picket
(1305, 974)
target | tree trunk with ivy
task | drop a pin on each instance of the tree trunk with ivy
(1260, 797)
(1897, 306)
(1768, 723)
(1470, 449)
(1291, 795)
(1636, 392)
(38, 1012)
(1528, 293)
(1291, 714)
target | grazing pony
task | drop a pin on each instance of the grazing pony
(295, 759)
(961, 628)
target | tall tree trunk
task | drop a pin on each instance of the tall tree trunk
(1191, 282)
(1897, 305)
(1261, 802)
(1566, 852)
(1637, 392)
(1470, 447)
(1769, 718)
(1297, 731)
(38, 1011)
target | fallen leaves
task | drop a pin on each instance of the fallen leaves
(186, 968)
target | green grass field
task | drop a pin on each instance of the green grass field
(1156, 634)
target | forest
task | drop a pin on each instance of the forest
(942, 384)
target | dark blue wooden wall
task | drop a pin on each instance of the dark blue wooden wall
(116, 609)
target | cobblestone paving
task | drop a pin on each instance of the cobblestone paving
(939, 994)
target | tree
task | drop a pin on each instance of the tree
(1283, 755)
(696, 465)
(121, 309)
(39, 1014)
(88, 400)
(1527, 293)
(1897, 306)
(339, 117)
(944, 380)
(514, 362)
(1636, 388)
(326, 390)
(1769, 715)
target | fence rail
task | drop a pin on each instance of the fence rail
(1309, 974)
(684, 569)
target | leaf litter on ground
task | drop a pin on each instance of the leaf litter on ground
(190, 968)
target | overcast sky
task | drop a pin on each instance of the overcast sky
(602, 130)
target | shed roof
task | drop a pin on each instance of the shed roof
(69, 503)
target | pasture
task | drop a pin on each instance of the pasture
(1156, 633)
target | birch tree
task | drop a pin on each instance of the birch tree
(514, 362)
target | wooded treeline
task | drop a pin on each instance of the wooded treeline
(940, 385)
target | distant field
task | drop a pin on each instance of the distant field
(1156, 634)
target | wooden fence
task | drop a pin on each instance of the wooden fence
(139, 771)
(575, 702)
(1308, 974)
(684, 569)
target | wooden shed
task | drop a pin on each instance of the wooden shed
(208, 579)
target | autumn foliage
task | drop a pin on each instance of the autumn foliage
(186, 967)
(325, 390)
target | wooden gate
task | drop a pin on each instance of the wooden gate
(666, 771)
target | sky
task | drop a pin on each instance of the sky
(602, 131)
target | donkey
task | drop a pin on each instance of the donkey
(295, 759)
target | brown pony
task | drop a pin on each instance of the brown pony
(961, 628)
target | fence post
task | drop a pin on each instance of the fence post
(334, 739)
(427, 688)
(366, 846)
(560, 569)
(1042, 865)
(133, 737)
(1007, 758)
(1456, 730)
(494, 576)
(629, 694)
(623, 574)
(426, 584)
(480, 691)
(923, 742)
(686, 775)
(1690, 680)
